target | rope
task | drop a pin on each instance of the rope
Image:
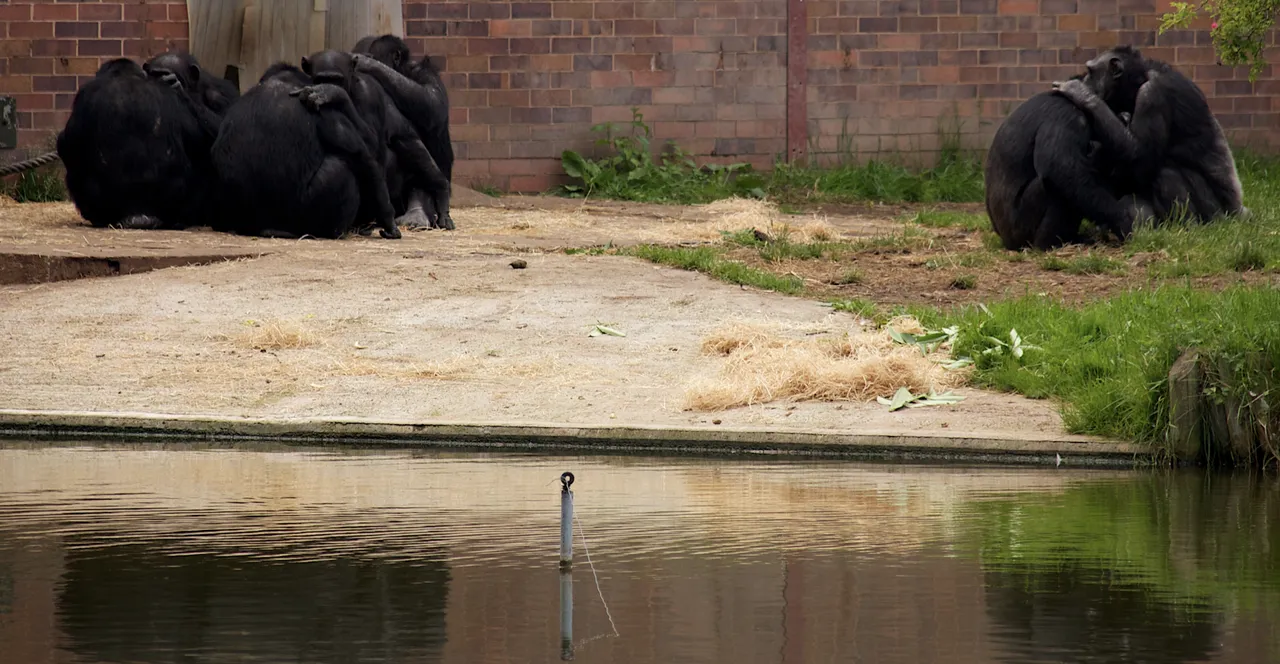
(29, 164)
(583, 534)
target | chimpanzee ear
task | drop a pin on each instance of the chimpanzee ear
(397, 59)
(146, 68)
(306, 65)
(1114, 68)
(193, 72)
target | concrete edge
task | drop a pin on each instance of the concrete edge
(1033, 449)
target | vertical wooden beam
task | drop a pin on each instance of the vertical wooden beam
(797, 80)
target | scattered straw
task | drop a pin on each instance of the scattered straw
(274, 335)
(765, 364)
(736, 214)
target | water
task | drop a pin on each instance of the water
(163, 554)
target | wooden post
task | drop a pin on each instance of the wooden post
(214, 28)
(797, 80)
(1184, 434)
(352, 20)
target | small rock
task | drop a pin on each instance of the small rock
(519, 264)
(715, 421)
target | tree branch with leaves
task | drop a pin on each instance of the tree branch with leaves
(1239, 28)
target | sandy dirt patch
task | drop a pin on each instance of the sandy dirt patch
(437, 326)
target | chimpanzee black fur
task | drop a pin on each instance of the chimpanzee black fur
(401, 151)
(295, 158)
(1173, 147)
(1045, 173)
(420, 94)
(216, 94)
(136, 150)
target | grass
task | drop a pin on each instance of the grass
(957, 178)
(1089, 263)
(711, 261)
(1108, 361)
(41, 185)
(968, 221)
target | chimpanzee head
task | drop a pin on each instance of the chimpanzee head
(118, 67)
(330, 66)
(1116, 76)
(391, 51)
(285, 73)
(182, 65)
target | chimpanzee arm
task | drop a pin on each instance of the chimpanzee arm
(1142, 145)
(341, 132)
(420, 105)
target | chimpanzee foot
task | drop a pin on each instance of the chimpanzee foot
(141, 222)
(414, 220)
(317, 96)
(443, 222)
(278, 234)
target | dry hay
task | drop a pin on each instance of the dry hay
(736, 214)
(273, 335)
(771, 363)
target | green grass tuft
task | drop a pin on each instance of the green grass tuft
(965, 282)
(1108, 361)
(950, 219)
(41, 185)
(710, 261)
(1089, 263)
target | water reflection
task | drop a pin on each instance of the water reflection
(141, 554)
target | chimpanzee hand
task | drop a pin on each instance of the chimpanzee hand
(170, 79)
(393, 234)
(1124, 117)
(1077, 91)
(361, 62)
(315, 97)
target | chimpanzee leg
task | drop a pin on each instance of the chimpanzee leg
(331, 200)
(1171, 196)
(1060, 225)
(419, 167)
(339, 136)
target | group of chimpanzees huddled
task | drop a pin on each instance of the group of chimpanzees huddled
(1130, 140)
(346, 142)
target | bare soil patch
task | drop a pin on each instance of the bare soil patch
(435, 327)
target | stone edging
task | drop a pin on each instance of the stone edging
(1033, 449)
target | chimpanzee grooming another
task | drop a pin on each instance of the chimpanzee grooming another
(297, 159)
(136, 150)
(419, 93)
(407, 159)
(1173, 147)
(1046, 172)
(217, 94)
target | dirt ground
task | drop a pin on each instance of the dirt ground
(440, 327)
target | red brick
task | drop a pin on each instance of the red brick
(30, 30)
(102, 12)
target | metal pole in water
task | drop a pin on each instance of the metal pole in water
(566, 614)
(566, 567)
(566, 520)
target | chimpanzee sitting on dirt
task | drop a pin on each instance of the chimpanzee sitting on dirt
(217, 94)
(401, 151)
(294, 158)
(136, 150)
(419, 93)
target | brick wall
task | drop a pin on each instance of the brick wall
(529, 79)
(49, 48)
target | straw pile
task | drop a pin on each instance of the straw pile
(770, 363)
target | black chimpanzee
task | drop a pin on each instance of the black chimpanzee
(295, 158)
(419, 93)
(217, 94)
(406, 160)
(136, 150)
(1173, 147)
(1046, 172)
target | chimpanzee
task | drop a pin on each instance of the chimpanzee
(217, 94)
(407, 161)
(136, 150)
(419, 93)
(295, 158)
(1173, 147)
(1046, 172)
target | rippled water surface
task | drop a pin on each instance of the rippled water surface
(200, 554)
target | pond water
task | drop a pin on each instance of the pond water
(137, 553)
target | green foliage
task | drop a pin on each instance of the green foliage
(862, 308)
(41, 185)
(630, 172)
(850, 278)
(1089, 263)
(1108, 361)
(1239, 28)
(956, 178)
(710, 261)
(965, 282)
